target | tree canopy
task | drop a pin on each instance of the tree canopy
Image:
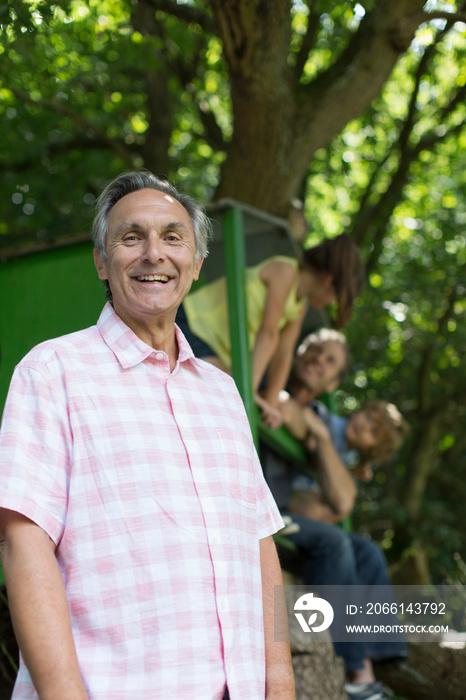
(355, 108)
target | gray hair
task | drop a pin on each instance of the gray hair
(129, 182)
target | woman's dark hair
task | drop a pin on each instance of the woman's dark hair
(340, 258)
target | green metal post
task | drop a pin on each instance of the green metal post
(235, 266)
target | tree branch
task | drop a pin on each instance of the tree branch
(308, 41)
(423, 374)
(458, 99)
(421, 69)
(432, 139)
(186, 74)
(78, 143)
(342, 91)
(59, 108)
(213, 133)
(187, 13)
(405, 29)
(379, 211)
(451, 17)
(256, 39)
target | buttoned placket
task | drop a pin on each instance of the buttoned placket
(214, 535)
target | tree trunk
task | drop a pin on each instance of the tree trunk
(154, 150)
(430, 672)
(280, 122)
(421, 463)
(319, 674)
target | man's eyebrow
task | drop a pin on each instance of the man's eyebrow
(176, 226)
(128, 226)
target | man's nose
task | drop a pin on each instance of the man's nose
(153, 248)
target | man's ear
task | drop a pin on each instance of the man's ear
(100, 265)
(197, 268)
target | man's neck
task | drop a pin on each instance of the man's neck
(160, 334)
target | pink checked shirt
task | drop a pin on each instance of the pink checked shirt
(149, 484)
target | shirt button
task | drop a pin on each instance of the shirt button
(223, 605)
(159, 356)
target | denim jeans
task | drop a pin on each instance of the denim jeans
(335, 557)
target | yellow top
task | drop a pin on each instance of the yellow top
(207, 309)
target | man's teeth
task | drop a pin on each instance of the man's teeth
(152, 278)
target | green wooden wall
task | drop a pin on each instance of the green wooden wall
(43, 295)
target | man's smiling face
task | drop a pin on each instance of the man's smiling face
(319, 367)
(150, 262)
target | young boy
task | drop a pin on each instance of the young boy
(369, 435)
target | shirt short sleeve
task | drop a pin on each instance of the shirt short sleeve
(35, 444)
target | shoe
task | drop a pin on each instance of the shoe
(368, 691)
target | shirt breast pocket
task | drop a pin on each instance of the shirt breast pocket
(237, 456)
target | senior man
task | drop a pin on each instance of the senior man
(136, 524)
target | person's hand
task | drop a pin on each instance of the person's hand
(280, 686)
(292, 415)
(315, 425)
(279, 695)
(271, 416)
(285, 405)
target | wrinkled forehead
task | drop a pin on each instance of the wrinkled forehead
(146, 207)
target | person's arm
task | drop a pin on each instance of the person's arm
(338, 490)
(270, 415)
(282, 359)
(310, 504)
(337, 486)
(39, 608)
(279, 670)
(278, 277)
(293, 418)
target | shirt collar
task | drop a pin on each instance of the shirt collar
(128, 348)
(185, 352)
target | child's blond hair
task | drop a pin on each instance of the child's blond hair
(392, 429)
